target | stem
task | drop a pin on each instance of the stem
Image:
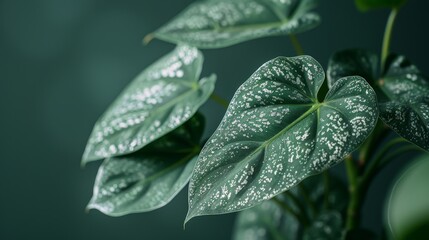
(369, 172)
(397, 153)
(296, 44)
(326, 184)
(304, 192)
(288, 209)
(377, 135)
(387, 36)
(354, 202)
(219, 100)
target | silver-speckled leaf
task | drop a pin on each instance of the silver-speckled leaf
(266, 221)
(275, 133)
(353, 62)
(150, 178)
(221, 23)
(159, 100)
(328, 226)
(406, 109)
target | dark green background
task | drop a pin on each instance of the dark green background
(64, 61)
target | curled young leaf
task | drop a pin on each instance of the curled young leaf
(160, 99)
(150, 178)
(275, 133)
(221, 23)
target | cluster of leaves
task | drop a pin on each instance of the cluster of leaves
(275, 133)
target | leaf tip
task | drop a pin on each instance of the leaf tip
(148, 38)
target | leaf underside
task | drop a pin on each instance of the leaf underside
(160, 99)
(150, 178)
(221, 23)
(275, 134)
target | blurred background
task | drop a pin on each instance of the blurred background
(63, 62)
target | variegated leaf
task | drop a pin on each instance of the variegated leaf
(328, 226)
(275, 133)
(150, 178)
(406, 109)
(160, 99)
(221, 23)
(403, 91)
(268, 221)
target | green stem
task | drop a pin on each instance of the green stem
(372, 167)
(397, 153)
(296, 44)
(377, 135)
(306, 195)
(352, 220)
(388, 36)
(326, 184)
(287, 209)
(219, 100)
(299, 204)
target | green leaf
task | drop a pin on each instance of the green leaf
(150, 178)
(402, 91)
(365, 5)
(275, 133)
(407, 211)
(221, 23)
(406, 109)
(327, 226)
(265, 222)
(351, 62)
(268, 221)
(160, 99)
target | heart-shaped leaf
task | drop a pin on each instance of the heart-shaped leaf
(269, 221)
(406, 109)
(402, 91)
(160, 99)
(407, 211)
(365, 5)
(150, 178)
(275, 133)
(221, 23)
(353, 62)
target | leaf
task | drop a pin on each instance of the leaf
(160, 99)
(265, 222)
(402, 91)
(268, 221)
(222, 23)
(275, 133)
(407, 211)
(365, 5)
(406, 109)
(150, 178)
(328, 226)
(351, 62)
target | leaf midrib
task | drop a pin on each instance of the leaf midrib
(314, 108)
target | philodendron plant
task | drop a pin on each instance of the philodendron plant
(286, 125)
